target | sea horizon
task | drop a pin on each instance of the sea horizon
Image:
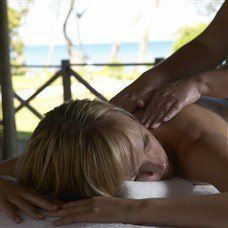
(128, 52)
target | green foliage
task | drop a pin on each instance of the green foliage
(207, 8)
(16, 44)
(14, 21)
(114, 71)
(187, 34)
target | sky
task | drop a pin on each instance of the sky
(108, 21)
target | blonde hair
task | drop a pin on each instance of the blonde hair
(79, 150)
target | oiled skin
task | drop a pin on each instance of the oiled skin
(197, 144)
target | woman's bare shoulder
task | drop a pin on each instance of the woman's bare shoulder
(201, 144)
(204, 142)
(210, 118)
(190, 124)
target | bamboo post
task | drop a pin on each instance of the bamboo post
(66, 80)
(9, 137)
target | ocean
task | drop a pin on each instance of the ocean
(99, 53)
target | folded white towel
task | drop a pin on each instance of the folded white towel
(163, 189)
(130, 189)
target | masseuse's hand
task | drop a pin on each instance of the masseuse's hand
(99, 210)
(15, 197)
(169, 100)
(139, 92)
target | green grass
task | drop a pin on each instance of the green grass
(41, 76)
(26, 121)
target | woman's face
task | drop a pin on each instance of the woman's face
(152, 161)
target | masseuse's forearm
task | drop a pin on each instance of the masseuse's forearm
(190, 59)
(7, 167)
(193, 211)
(213, 83)
(202, 54)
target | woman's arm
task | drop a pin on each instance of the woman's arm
(212, 83)
(7, 167)
(192, 211)
(204, 53)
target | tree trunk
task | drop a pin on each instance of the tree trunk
(82, 56)
(53, 31)
(69, 43)
(115, 51)
(143, 46)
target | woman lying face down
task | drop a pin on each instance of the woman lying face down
(86, 148)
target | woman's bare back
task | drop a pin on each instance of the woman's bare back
(196, 142)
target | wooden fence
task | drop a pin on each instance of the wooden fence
(66, 72)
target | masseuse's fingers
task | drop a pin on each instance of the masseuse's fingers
(169, 110)
(159, 105)
(171, 106)
(176, 107)
(160, 114)
(11, 211)
(155, 113)
(143, 100)
(148, 115)
(168, 101)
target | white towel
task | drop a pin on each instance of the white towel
(163, 189)
(129, 189)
